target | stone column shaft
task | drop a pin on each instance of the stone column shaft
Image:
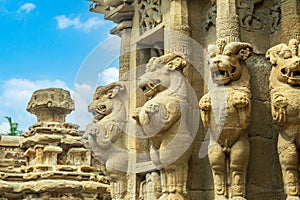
(290, 21)
(227, 24)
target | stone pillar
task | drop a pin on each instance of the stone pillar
(124, 61)
(290, 21)
(227, 23)
(177, 32)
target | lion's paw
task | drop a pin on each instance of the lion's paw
(240, 100)
(152, 108)
(279, 101)
(205, 103)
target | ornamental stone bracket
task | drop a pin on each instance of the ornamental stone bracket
(119, 11)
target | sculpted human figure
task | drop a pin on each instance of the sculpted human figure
(106, 137)
(225, 112)
(211, 15)
(275, 13)
(246, 12)
(150, 13)
(169, 119)
(285, 98)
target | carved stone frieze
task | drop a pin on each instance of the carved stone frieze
(211, 15)
(285, 97)
(106, 137)
(252, 16)
(150, 13)
(248, 18)
(275, 13)
(225, 112)
(167, 119)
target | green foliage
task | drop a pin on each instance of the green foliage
(13, 131)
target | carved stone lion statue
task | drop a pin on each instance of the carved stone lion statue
(170, 119)
(225, 112)
(106, 137)
(285, 98)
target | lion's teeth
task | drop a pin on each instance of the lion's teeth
(289, 73)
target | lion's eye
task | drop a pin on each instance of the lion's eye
(102, 107)
(144, 88)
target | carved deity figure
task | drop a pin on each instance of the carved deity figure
(285, 98)
(211, 15)
(248, 19)
(150, 13)
(275, 13)
(168, 119)
(150, 187)
(225, 112)
(106, 137)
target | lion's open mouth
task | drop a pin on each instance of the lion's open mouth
(223, 76)
(99, 112)
(293, 76)
(149, 89)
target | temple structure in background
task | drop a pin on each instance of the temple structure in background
(49, 161)
(206, 108)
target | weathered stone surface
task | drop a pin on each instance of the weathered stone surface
(260, 172)
(200, 176)
(261, 120)
(259, 69)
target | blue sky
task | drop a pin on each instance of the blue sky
(52, 44)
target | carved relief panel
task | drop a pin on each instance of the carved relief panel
(150, 14)
(253, 15)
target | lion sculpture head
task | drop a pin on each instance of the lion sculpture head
(227, 62)
(286, 64)
(161, 74)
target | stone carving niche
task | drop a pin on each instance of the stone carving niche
(225, 112)
(106, 137)
(170, 120)
(150, 14)
(285, 98)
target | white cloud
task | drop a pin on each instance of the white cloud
(64, 22)
(109, 75)
(83, 96)
(26, 7)
(4, 127)
(15, 95)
